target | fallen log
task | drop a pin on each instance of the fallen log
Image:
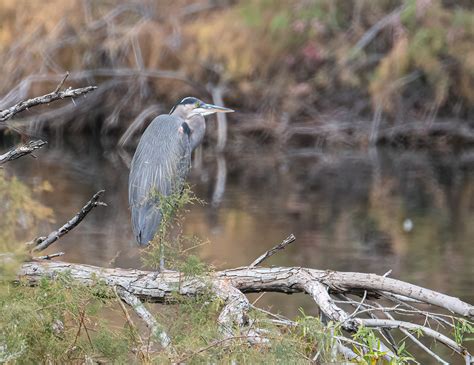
(230, 285)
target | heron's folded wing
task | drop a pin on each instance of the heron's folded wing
(159, 167)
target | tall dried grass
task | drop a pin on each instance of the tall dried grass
(274, 56)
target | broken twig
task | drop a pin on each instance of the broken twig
(44, 242)
(143, 355)
(44, 99)
(60, 85)
(291, 238)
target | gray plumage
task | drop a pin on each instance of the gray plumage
(162, 161)
(159, 167)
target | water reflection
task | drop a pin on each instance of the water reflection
(346, 209)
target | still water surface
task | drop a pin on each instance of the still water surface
(373, 211)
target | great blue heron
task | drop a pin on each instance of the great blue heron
(162, 160)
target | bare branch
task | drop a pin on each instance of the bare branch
(362, 281)
(20, 151)
(399, 298)
(234, 313)
(385, 333)
(143, 355)
(44, 242)
(437, 317)
(49, 257)
(60, 85)
(44, 99)
(388, 323)
(137, 123)
(356, 311)
(419, 343)
(319, 292)
(291, 238)
(375, 29)
(347, 352)
(145, 315)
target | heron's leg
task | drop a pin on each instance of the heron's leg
(162, 262)
(162, 257)
(161, 267)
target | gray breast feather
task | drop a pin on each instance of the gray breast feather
(159, 167)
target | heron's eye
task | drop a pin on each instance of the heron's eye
(197, 105)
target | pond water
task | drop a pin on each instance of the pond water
(411, 212)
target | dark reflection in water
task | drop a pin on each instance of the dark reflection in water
(409, 211)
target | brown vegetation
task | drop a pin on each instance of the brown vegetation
(411, 60)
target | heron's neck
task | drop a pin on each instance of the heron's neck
(197, 124)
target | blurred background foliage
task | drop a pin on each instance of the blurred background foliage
(411, 59)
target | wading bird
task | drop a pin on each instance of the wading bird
(162, 160)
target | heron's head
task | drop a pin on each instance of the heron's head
(190, 106)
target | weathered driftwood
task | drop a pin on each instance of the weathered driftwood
(134, 286)
(413, 133)
(231, 284)
(50, 256)
(216, 92)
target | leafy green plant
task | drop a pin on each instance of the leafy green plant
(461, 329)
(373, 351)
(169, 242)
(59, 321)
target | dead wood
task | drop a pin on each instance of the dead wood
(426, 133)
(291, 238)
(44, 99)
(231, 284)
(145, 315)
(21, 151)
(41, 243)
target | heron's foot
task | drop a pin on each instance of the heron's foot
(159, 271)
(155, 275)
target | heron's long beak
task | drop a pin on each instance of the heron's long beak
(211, 109)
